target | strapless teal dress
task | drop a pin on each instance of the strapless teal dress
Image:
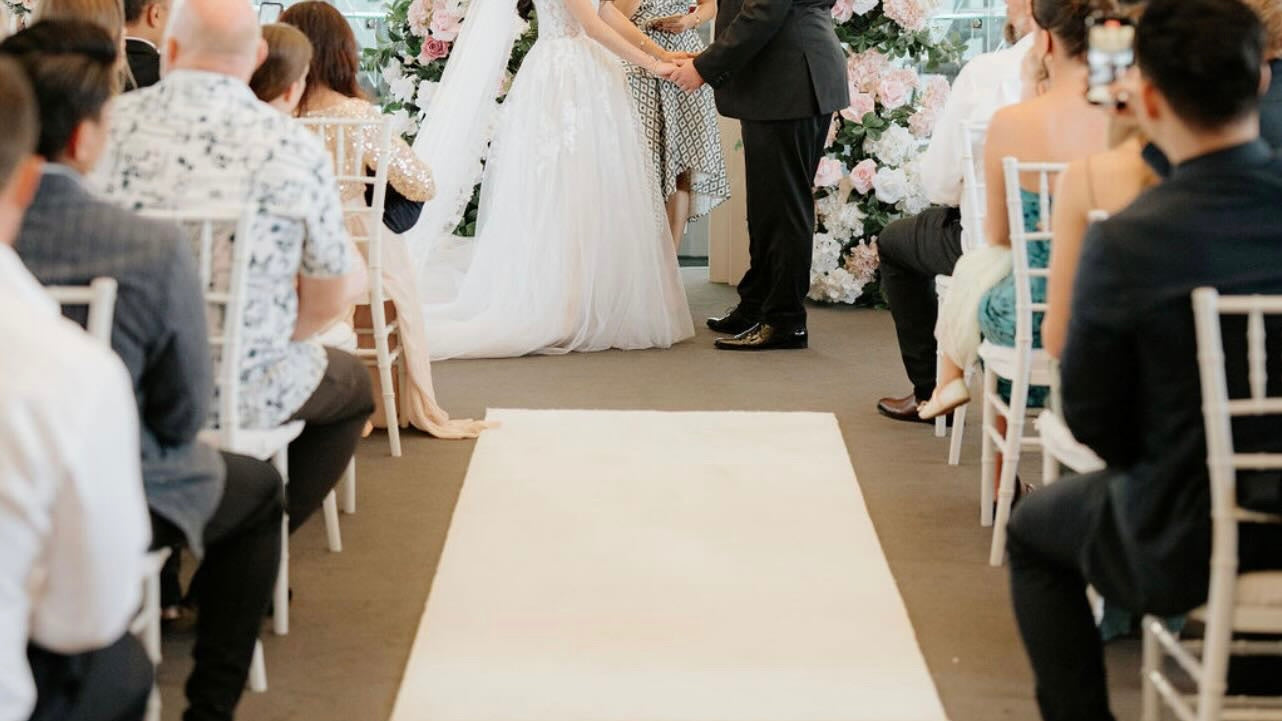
(997, 309)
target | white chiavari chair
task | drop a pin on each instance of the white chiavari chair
(1022, 365)
(99, 297)
(365, 223)
(1249, 603)
(974, 190)
(225, 297)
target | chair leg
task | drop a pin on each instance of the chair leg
(258, 670)
(1150, 709)
(1006, 488)
(941, 421)
(153, 705)
(280, 599)
(349, 488)
(955, 443)
(332, 533)
(988, 461)
(383, 352)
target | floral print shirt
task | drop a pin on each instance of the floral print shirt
(199, 140)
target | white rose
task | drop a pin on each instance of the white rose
(894, 147)
(891, 185)
(393, 71)
(403, 88)
(400, 121)
(426, 91)
(863, 7)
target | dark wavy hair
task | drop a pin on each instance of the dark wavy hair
(72, 68)
(336, 60)
(1066, 20)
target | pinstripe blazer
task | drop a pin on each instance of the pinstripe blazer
(69, 237)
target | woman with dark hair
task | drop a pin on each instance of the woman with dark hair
(1057, 126)
(333, 91)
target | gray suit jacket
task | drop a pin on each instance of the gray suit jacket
(69, 237)
(775, 60)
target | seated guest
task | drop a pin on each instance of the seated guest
(107, 14)
(68, 238)
(914, 250)
(198, 138)
(1106, 182)
(334, 92)
(1140, 531)
(144, 28)
(281, 79)
(73, 523)
(981, 298)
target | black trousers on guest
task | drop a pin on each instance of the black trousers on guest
(335, 416)
(1063, 538)
(780, 160)
(233, 585)
(110, 684)
(913, 251)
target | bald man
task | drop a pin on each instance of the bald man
(199, 138)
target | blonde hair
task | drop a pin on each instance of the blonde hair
(289, 54)
(1270, 12)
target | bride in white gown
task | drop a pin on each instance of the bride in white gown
(572, 249)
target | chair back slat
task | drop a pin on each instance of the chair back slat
(973, 182)
(346, 138)
(224, 283)
(1256, 355)
(99, 297)
(1020, 237)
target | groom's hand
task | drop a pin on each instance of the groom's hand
(687, 76)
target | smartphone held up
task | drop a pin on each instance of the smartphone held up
(1110, 53)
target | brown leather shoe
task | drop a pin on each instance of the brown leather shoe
(901, 409)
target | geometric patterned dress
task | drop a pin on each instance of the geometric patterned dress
(681, 129)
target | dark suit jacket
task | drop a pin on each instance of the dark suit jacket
(1271, 108)
(69, 237)
(144, 63)
(1131, 388)
(775, 60)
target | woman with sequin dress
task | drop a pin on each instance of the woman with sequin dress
(681, 128)
(332, 92)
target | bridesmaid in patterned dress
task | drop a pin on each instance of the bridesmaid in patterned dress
(681, 129)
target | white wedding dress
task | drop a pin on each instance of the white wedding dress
(572, 250)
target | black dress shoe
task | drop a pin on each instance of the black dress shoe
(764, 336)
(732, 323)
(901, 409)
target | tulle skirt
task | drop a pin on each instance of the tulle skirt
(572, 250)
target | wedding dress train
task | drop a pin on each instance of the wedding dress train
(572, 249)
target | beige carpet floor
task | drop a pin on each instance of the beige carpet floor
(355, 613)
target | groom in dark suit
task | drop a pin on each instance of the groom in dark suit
(776, 65)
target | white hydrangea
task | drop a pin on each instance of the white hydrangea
(393, 71)
(827, 252)
(863, 7)
(403, 88)
(835, 286)
(895, 146)
(852, 220)
(891, 185)
(915, 201)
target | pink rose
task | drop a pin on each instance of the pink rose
(860, 105)
(862, 174)
(420, 18)
(864, 70)
(908, 13)
(843, 10)
(433, 49)
(922, 122)
(445, 27)
(830, 172)
(893, 93)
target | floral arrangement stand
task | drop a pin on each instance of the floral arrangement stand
(869, 175)
(409, 60)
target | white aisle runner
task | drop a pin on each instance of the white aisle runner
(644, 566)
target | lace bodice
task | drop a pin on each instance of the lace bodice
(555, 20)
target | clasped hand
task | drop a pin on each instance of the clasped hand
(679, 68)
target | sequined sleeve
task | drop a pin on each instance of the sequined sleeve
(405, 171)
